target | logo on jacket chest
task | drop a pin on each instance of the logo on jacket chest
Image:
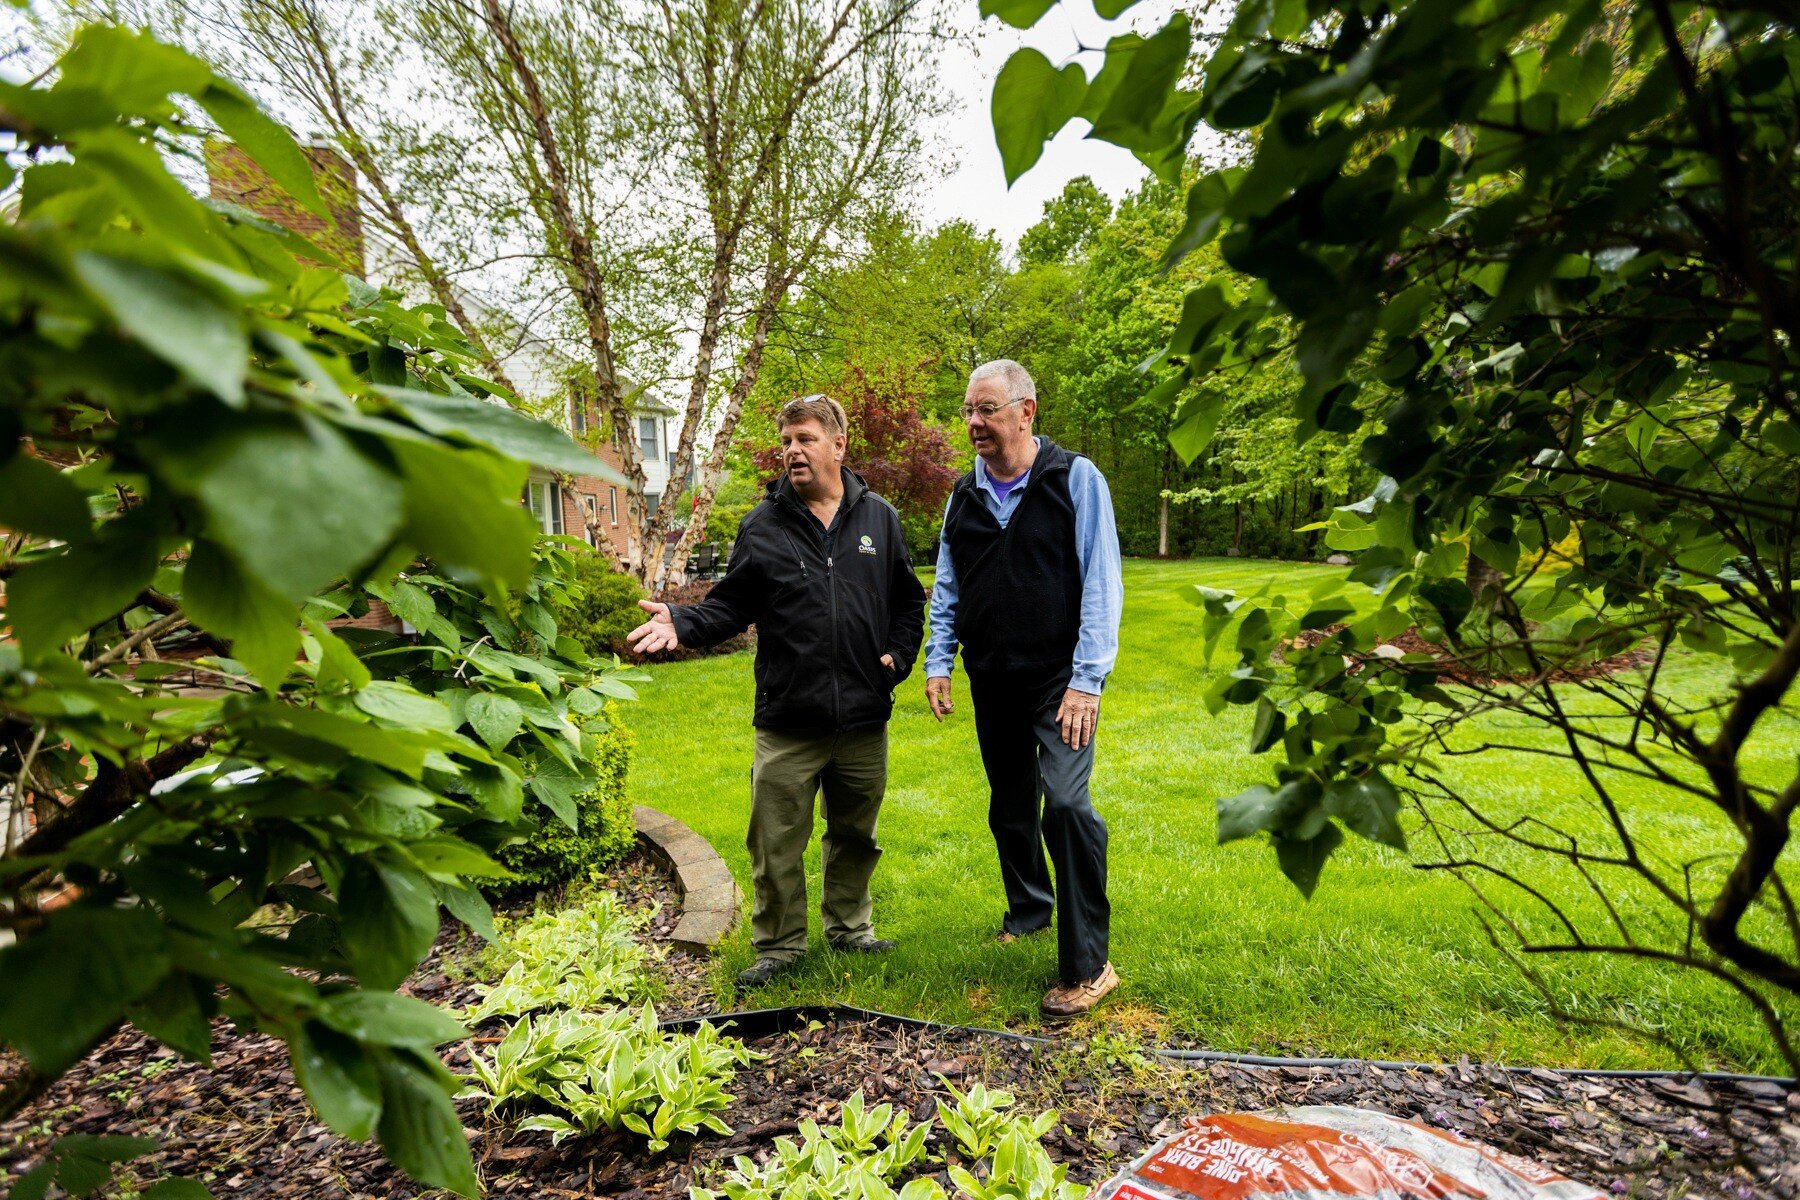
(867, 545)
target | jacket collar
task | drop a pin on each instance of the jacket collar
(782, 494)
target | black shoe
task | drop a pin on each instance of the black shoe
(867, 943)
(763, 970)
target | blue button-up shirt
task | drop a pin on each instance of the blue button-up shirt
(1096, 552)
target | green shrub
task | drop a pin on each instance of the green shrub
(556, 853)
(599, 605)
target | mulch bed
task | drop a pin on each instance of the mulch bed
(1449, 668)
(243, 1127)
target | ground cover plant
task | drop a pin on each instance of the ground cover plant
(576, 1046)
(615, 1070)
(581, 956)
(1385, 961)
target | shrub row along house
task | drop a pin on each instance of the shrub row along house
(590, 507)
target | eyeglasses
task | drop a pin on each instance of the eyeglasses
(986, 411)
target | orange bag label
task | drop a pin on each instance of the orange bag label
(1327, 1153)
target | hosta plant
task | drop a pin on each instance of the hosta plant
(611, 1070)
(978, 1119)
(857, 1159)
(583, 957)
(879, 1135)
(1021, 1168)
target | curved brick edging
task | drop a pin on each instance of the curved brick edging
(709, 895)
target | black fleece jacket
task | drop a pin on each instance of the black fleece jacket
(825, 607)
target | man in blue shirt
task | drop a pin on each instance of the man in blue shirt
(1028, 582)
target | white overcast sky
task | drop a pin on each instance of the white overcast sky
(976, 189)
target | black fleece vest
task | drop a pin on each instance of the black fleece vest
(1018, 605)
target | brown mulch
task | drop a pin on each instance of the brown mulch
(243, 1127)
(1449, 668)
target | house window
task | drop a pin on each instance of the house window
(648, 439)
(544, 498)
(612, 501)
(652, 500)
(591, 507)
(578, 418)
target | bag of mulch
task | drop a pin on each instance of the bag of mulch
(1330, 1152)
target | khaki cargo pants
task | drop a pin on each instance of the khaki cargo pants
(788, 771)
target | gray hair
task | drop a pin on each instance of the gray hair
(1018, 379)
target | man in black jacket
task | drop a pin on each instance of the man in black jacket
(821, 569)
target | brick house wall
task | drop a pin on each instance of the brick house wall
(233, 176)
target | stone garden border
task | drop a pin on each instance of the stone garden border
(710, 899)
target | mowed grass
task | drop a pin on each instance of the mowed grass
(1214, 946)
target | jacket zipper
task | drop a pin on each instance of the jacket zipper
(837, 695)
(837, 699)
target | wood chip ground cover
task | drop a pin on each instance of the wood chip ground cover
(243, 1128)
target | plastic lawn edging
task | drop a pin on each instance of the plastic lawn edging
(762, 1022)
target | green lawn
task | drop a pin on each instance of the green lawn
(1212, 943)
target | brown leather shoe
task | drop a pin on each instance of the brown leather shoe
(1073, 999)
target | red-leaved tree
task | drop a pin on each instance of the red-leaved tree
(903, 456)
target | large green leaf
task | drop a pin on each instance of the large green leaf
(1032, 100)
(390, 1019)
(1367, 806)
(1302, 859)
(70, 981)
(1135, 113)
(338, 1077)
(557, 785)
(176, 320)
(389, 921)
(469, 906)
(37, 498)
(1021, 14)
(172, 1013)
(510, 432)
(263, 628)
(295, 502)
(295, 730)
(131, 69)
(495, 718)
(1259, 809)
(406, 706)
(50, 600)
(419, 1127)
(462, 508)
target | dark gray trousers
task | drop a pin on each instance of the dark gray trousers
(1038, 800)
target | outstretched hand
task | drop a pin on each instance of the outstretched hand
(656, 634)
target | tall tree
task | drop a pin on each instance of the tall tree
(656, 180)
(755, 138)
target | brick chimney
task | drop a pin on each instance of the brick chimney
(235, 177)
